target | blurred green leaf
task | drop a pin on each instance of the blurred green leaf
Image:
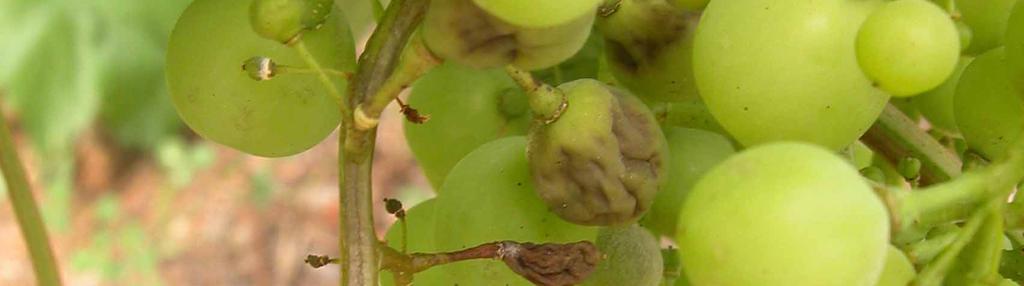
(181, 161)
(54, 86)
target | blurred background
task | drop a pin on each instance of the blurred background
(130, 195)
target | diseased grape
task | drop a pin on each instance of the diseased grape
(603, 160)
(783, 214)
(460, 31)
(219, 100)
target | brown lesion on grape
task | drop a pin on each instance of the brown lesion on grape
(643, 46)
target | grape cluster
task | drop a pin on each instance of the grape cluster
(728, 129)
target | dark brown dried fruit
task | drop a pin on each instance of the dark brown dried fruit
(551, 264)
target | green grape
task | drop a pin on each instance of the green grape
(783, 214)
(632, 257)
(420, 222)
(690, 5)
(690, 114)
(692, 152)
(898, 269)
(908, 46)
(786, 70)
(937, 104)
(285, 20)
(538, 13)
(460, 31)
(489, 197)
(1015, 46)
(467, 108)
(989, 111)
(649, 49)
(860, 155)
(987, 20)
(219, 101)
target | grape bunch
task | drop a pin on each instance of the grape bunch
(742, 142)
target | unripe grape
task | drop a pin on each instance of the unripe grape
(692, 152)
(786, 70)
(937, 105)
(538, 13)
(649, 47)
(603, 160)
(1015, 46)
(987, 20)
(989, 110)
(690, 114)
(898, 269)
(460, 31)
(632, 256)
(908, 46)
(783, 214)
(220, 101)
(285, 20)
(467, 107)
(489, 197)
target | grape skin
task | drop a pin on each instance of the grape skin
(279, 117)
(786, 70)
(989, 110)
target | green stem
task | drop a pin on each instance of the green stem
(924, 251)
(547, 102)
(959, 198)
(416, 60)
(310, 60)
(895, 136)
(26, 212)
(358, 243)
(934, 273)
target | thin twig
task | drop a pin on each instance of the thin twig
(895, 136)
(32, 228)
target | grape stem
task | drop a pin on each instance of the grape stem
(358, 241)
(25, 211)
(416, 60)
(917, 211)
(895, 136)
(934, 273)
(547, 102)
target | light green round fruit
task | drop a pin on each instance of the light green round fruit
(987, 20)
(489, 196)
(692, 152)
(937, 104)
(459, 31)
(786, 70)
(690, 114)
(989, 110)
(1015, 46)
(538, 13)
(218, 100)
(420, 222)
(467, 107)
(285, 20)
(649, 49)
(632, 256)
(908, 46)
(783, 214)
(898, 269)
(603, 160)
